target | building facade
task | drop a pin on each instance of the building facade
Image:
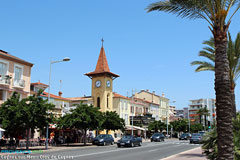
(15, 76)
(196, 105)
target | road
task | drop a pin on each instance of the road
(148, 151)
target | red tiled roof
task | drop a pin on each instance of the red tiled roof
(39, 83)
(45, 94)
(102, 66)
(6, 55)
(116, 95)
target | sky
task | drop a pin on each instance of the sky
(148, 50)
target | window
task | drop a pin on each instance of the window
(126, 106)
(3, 95)
(107, 100)
(18, 73)
(98, 102)
(132, 109)
(3, 69)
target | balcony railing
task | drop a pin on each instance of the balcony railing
(19, 83)
(5, 79)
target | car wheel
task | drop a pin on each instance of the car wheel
(140, 144)
(132, 145)
(118, 146)
(151, 140)
(104, 143)
(112, 143)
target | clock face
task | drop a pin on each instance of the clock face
(108, 83)
(98, 83)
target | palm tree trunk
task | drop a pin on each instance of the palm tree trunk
(234, 104)
(205, 119)
(200, 118)
(223, 96)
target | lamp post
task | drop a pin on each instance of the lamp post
(167, 115)
(132, 112)
(189, 121)
(49, 82)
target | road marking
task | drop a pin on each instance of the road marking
(153, 150)
(90, 154)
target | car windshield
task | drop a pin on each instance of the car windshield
(101, 136)
(196, 135)
(126, 137)
(157, 134)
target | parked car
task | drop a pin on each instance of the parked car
(103, 139)
(196, 138)
(185, 136)
(130, 141)
(157, 137)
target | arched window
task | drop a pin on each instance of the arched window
(107, 100)
(98, 102)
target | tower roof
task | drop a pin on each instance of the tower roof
(102, 66)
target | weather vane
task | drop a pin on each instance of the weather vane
(102, 41)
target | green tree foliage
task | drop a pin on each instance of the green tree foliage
(156, 126)
(210, 141)
(82, 117)
(112, 121)
(179, 125)
(203, 112)
(196, 127)
(28, 114)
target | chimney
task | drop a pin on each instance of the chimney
(153, 92)
(60, 94)
(163, 95)
(147, 90)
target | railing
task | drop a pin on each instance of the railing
(4, 79)
(19, 83)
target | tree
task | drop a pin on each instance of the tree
(179, 125)
(196, 127)
(156, 126)
(203, 112)
(28, 114)
(36, 113)
(210, 141)
(112, 121)
(233, 52)
(82, 117)
(215, 12)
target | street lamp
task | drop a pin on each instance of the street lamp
(49, 82)
(167, 114)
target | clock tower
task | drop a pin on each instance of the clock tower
(102, 84)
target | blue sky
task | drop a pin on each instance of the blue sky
(148, 50)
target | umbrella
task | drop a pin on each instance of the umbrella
(2, 130)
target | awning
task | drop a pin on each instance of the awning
(129, 127)
(2, 130)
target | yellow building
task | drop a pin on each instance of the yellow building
(15, 75)
(102, 84)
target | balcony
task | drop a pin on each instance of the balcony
(5, 80)
(20, 83)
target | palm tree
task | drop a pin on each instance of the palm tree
(200, 113)
(233, 52)
(215, 12)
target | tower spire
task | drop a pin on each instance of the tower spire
(102, 41)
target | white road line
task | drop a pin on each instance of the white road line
(83, 155)
(153, 150)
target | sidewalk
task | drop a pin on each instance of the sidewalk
(195, 154)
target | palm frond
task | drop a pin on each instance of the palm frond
(203, 66)
(210, 56)
(184, 8)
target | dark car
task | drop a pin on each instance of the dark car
(157, 137)
(196, 138)
(185, 136)
(103, 139)
(129, 141)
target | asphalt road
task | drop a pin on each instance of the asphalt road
(148, 151)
